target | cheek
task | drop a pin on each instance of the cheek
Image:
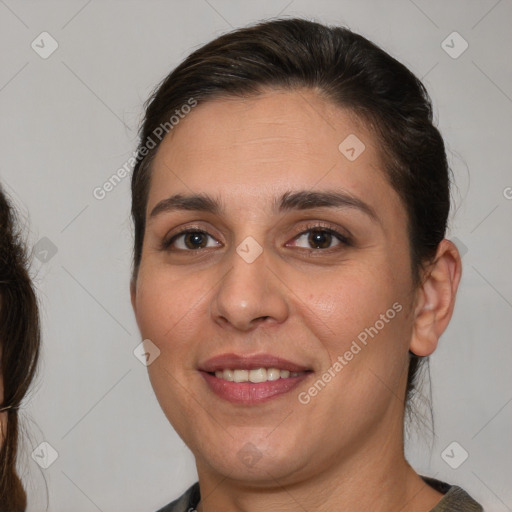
(166, 311)
(362, 323)
(348, 302)
(164, 306)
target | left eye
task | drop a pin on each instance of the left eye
(321, 238)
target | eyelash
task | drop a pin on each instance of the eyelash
(344, 240)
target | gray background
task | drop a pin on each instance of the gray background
(69, 122)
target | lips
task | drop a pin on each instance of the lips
(249, 380)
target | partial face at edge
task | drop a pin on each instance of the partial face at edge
(306, 298)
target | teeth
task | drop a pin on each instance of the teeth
(255, 375)
(273, 374)
(241, 375)
(259, 375)
(227, 375)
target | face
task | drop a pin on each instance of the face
(318, 293)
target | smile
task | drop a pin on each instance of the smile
(251, 379)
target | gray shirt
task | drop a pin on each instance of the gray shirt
(455, 499)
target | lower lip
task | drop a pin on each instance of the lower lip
(251, 393)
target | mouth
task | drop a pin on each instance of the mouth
(251, 380)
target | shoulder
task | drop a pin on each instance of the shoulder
(187, 502)
(455, 499)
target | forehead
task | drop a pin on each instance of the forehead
(255, 147)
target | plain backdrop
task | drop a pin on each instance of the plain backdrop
(70, 120)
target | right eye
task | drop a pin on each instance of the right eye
(188, 240)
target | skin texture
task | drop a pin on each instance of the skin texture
(344, 449)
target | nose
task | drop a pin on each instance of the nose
(249, 294)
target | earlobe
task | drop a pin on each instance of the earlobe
(435, 299)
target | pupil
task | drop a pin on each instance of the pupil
(320, 238)
(195, 238)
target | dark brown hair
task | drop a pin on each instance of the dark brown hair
(346, 69)
(19, 345)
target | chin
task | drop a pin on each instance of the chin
(253, 459)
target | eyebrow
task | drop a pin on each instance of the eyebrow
(291, 200)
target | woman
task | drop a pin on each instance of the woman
(290, 201)
(19, 350)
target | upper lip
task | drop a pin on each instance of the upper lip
(249, 362)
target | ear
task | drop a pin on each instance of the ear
(435, 299)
